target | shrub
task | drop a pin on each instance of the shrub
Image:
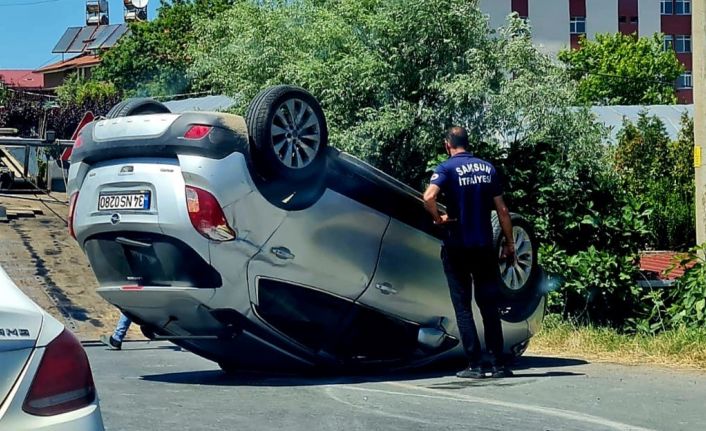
(688, 296)
(660, 173)
(76, 91)
(597, 285)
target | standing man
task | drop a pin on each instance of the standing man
(473, 189)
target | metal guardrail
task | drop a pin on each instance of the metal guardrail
(34, 142)
(27, 143)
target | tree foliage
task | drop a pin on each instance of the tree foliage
(77, 91)
(153, 59)
(660, 172)
(618, 69)
(392, 74)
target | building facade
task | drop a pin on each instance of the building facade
(558, 24)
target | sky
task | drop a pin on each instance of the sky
(29, 29)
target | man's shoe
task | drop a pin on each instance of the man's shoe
(472, 372)
(111, 342)
(501, 372)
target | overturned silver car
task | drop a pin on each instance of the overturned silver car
(251, 242)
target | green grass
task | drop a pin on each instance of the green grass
(683, 348)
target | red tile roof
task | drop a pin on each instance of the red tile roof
(26, 79)
(72, 63)
(658, 262)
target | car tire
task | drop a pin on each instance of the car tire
(137, 106)
(288, 134)
(521, 280)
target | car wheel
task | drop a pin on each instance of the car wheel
(521, 279)
(137, 106)
(288, 133)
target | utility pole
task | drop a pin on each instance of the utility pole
(698, 24)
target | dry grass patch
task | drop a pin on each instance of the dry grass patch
(681, 348)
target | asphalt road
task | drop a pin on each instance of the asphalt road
(157, 386)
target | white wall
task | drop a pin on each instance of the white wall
(601, 17)
(649, 16)
(550, 24)
(498, 11)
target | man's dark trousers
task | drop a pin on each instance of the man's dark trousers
(465, 267)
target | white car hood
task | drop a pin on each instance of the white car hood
(20, 318)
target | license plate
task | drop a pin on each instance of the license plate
(124, 201)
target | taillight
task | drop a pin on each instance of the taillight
(207, 216)
(63, 381)
(197, 132)
(72, 210)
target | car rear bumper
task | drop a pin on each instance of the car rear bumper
(86, 419)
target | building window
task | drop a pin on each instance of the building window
(666, 7)
(577, 25)
(683, 7)
(682, 44)
(684, 81)
(622, 19)
(633, 20)
(668, 42)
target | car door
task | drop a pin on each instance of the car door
(332, 246)
(409, 281)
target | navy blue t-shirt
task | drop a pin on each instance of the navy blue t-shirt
(469, 184)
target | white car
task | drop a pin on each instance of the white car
(45, 378)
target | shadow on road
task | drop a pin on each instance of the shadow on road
(526, 362)
(440, 370)
(126, 346)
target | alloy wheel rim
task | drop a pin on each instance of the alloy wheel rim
(515, 276)
(296, 134)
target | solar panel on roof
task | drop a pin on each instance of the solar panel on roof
(117, 34)
(66, 40)
(83, 37)
(101, 35)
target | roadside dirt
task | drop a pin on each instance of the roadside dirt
(49, 267)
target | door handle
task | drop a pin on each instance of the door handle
(282, 253)
(386, 288)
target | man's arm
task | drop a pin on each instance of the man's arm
(506, 225)
(430, 196)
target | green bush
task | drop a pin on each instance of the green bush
(77, 91)
(688, 307)
(659, 172)
(597, 284)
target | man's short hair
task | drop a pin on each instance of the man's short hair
(457, 137)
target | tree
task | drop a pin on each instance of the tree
(152, 60)
(660, 172)
(618, 69)
(392, 75)
(77, 91)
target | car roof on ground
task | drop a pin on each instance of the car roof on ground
(206, 104)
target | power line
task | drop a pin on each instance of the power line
(32, 3)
